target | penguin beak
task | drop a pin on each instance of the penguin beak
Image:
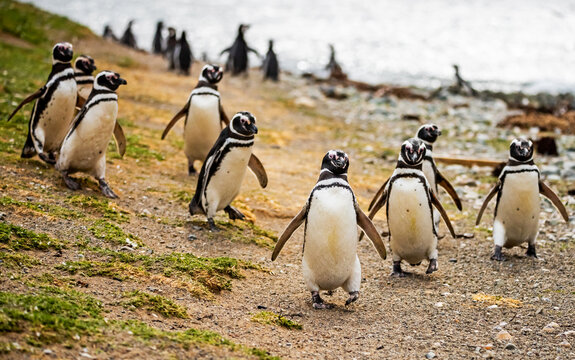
(339, 162)
(254, 128)
(413, 155)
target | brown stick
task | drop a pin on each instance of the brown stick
(468, 162)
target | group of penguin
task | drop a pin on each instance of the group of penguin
(331, 213)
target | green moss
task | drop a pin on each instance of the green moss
(113, 234)
(140, 151)
(107, 209)
(113, 270)
(15, 260)
(47, 209)
(18, 238)
(246, 232)
(126, 62)
(271, 318)
(183, 196)
(156, 303)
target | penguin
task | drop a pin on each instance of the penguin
(335, 70)
(53, 110)
(158, 44)
(517, 208)
(184, 53)
(237, 61)
(84, 66)
(171, 43)
(331, 215)
(270, 65)
(224, 169)
(204, 114)
(109, 34)
(84, 148)
(128, 37)
(410, 199)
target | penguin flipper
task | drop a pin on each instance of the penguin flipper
(28, 150)
(80, 101)
(30, 98)
(550, 194)
(223, 117)
(120, 139)
(254, 51)
(292, 226)
(369, 229)
(257, 168)
(491, 194)
(439, 207)
(449, 188)
(175, 119)
(225, 51)
(378, 194)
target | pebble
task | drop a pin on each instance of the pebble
(489, 354)
(510, 346)
(48, 352)
(2, 216)
(551, 327)
(488, 346)
(146, 212)
(430, 355)
(192, 237)
(565, 344)
(504, 335)
(439, 304)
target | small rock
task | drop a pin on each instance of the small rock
(48, 352)
(171, 246)
(488, 346)
(430, 355)
(305, 101)
(494, 306)
(438, 304)
(510, 346)
(489, 354)
(197, 228)
(565, 344)
(2, 216)
(452, 260)
(503, 335)
(551, 327)
(192, 237)
(146, 212)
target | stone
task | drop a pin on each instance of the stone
(565, 344)
(510, 346)
(551, 327)
(430, 355)
(503, 335)
(192, 237)
(146, 212)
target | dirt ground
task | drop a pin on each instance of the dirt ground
(471, 308)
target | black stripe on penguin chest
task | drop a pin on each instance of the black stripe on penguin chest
(43, 102)
(85, 110)
(217, 162)
(502, 179)
(201, 93)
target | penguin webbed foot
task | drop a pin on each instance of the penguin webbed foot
(353, 296)
(106, 190)
(49, 159)
(212, 225)
(318, 303)
(191, 169)
(233, 213)
(497, 255)
(531, 251)
(70, 182)
(397, 271)
(432, 266)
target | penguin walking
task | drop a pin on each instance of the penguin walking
(53, 110)
(128, 37)
(410, 199)
(84, 148)
(204, 117)
(270, 65)
(171, 43)
(237, 61)
(517, 208)
(158, 43)
(84, 66)
(224, 169)
(108, 34)
(331, 215)
(184, 55)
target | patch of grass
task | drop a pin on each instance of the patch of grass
(271, 318)
(156, 303)
(107, 209)
(46, 209)
(140, 151)
(248, 233)
(15, 260)
(126, 62)
(113, 234)
(18, 238)
(112, 270)
(183, 196)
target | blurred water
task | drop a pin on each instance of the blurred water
(499, 44)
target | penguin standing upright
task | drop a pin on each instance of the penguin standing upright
(185, 57)
(270, 65)
(204, 116)
(409, 201)
(84, 66)
(84, 148)
(171, 43)
(237, 61)
(109, 34)
(158, 44)
(128, 37)
(53, 110)
(517, 208)
(224, 169)
(331, 215)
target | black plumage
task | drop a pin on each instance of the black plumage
(158, 44)
(237, 62)
(270, 66)
(171, 48)
(128, 37)
(185, 56)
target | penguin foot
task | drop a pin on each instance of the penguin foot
(212, 225)
(106, 189)
(497, 255)
(353, 296)
(70, 183)
(49, 159)
(191, 170)
(531, 251)
(432, 266)
(233, 213)
(318, 301)
(397, 271)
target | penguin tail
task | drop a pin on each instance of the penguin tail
(195, 207)
(28, 150)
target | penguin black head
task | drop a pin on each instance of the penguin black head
(211, 73)
(336, 161)
(108, 80)
(85, 64)
(271, 45)
(428, 133)
(243, 124)
(412, 152)
(242, 28)
(521, 150)
(62, 53)
(183, 37)
(159, 25)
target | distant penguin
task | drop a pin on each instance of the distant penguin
(335, 70)
(184, 53)
(84, 66)
(109, 34)
(517, 209)
(53, 110)
(84, 148)
(158, 44)
(224, 169)
(128, 38)
(462, 85)
(331, 215)
(237, 62)
(171, 43)
(410, 200)
(204, 117)
(270, 65)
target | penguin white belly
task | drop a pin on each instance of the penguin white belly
(87, 144)
(202, 127)
(56, 119)
(519, 207)
(410, 221)
(225, 183)
(84, 90)
(330, 250)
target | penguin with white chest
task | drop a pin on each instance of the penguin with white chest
(517, 208)
(53, 110)
(332, 215)
(224, 169)
(84, 148)
(204, 116)
(84, 66)
(410, 201)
